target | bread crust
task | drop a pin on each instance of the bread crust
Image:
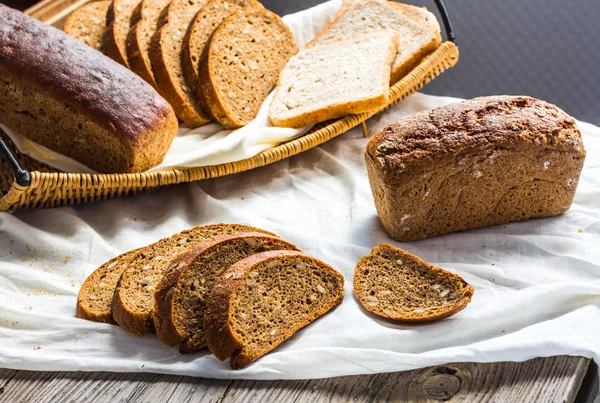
(463, 287)
(427, 170)
(221, 339)
(108, 97)
(119, 12)
(166, 329)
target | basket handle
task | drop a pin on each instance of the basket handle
(23, 177)
(446, 19)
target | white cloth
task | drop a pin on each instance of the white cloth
(210, 144)
(537, 283)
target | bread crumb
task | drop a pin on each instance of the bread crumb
(493, 264)
(67, 257)
(37, 348)
(579, 231)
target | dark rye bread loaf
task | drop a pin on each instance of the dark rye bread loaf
(482, 162)
(66, 96)
(261, 301)
(165, 57)
(118, 20)
(88, 23)
(210, 16)
(133, 301)
(241, 65)
(182, 292)
(96, 293)
(396, 285)
(137, 47)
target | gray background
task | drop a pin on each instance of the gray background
(544, 48)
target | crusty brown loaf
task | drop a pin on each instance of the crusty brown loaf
(396, 285)
(88, 23)
(482, 162)
(133, 302)
(181, 294)
(261, 301)
(62, 94)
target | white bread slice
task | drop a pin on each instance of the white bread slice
(416, 40)
(421, 15)
(331, 81)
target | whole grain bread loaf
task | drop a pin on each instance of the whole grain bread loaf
(96, 294)
(60, 93)
(134, 298)
(396, 285)
(241, 65)
(181, 294)
(137, 45)
(261, 301)
(210, 16)
(165, 57)
(118, 21)
(88, 23)
(482, 162)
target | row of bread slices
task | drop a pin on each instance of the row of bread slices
(219, 59)
(238, 290)
(241, 291)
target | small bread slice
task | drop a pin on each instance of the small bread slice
(421, 15)
(416, 40)
(210, 16)
(264, 299)
(241, 65)
(397, 285)
(182, 292)
(331, 81)
(133, 301)
(140, 35)
(88, 23)
(96, 294)
(118, 22)
(165, 58)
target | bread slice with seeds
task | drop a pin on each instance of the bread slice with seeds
(241, 65)
(96, 294)
(210, 16)
(133, 301)
(88, 23)
(165, 58)
(181, 294)
(397, 285)
(140, 35)
(332, 81)
(416, 40)
(118, 22)
(261, 301)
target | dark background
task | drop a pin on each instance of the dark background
(545, 48)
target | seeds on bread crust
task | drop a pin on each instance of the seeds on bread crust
(88, 23)
(397, 285)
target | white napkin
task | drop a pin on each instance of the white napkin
(210, 144)
(537, 283)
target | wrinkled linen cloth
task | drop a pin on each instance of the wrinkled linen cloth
(210, 144)
(537, 283)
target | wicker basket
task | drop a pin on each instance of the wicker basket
(26, 183)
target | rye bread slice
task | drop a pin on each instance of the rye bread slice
(264, 299)
(118, 22)
(331, 81)
(133, 302)
(88, 23)
(182, 292)
(140, 35)
(241, 64)
(165, 58)
(416, 40)
(210, 16)
(94, 301)
(396, 285)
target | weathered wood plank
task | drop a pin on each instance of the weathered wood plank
(554, 379)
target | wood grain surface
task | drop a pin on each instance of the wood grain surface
(556, 379)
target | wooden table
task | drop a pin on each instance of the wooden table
(555, 379)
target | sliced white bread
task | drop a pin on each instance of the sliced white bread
(140, 36)
(165, 57)
(88, 23)
(118, 22)
(416, 40)
(421, 15)
(331, 81)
